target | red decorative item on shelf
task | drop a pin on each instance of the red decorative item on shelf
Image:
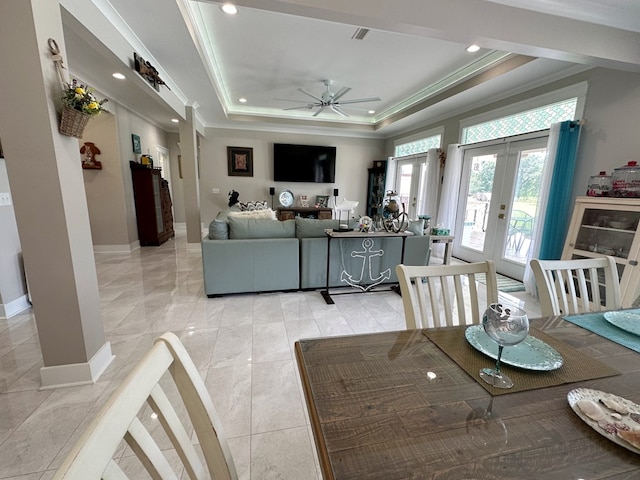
(626, 180)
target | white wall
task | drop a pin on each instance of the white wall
(353, 157)
(611, 135)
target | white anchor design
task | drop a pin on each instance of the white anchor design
(366, 255)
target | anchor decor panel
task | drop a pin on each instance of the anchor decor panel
(363, 260)
(364, 270)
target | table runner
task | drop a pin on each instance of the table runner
(596, 323)
(577, 365)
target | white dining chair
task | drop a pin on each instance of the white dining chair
(128, 416)
(565, 286)
(445, 295)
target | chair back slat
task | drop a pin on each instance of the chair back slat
(176, 432)
(451, 294)
(92, 458)
(576, 286)
(148, 452)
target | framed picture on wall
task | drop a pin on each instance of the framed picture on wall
(240, 161)
(135, 141)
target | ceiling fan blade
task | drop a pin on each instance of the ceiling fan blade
(336, 108)
(340, 93)
(318, 111)
(310, 94)
(308, 106)
(290, 100)
(361, 100)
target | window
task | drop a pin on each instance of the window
(418, 146)
(536, 119)
(530, 115)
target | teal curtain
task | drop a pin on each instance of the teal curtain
(559, 203)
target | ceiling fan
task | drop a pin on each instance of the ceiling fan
(328, 99)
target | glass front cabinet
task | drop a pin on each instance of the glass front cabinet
(375, 189)
(608, 226)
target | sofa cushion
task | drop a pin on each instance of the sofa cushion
(260, 228)
(218, 230)
(312, 228)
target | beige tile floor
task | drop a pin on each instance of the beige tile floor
(242, 345)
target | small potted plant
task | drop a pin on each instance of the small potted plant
(79, 104)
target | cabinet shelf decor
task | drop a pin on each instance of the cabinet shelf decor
(153, 205)
(608, 226)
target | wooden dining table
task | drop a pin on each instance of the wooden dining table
(395, 405)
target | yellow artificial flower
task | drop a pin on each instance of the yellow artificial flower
(93, 106)
(80, 91)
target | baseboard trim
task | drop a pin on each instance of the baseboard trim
(116, 248)
(77, 373)
(14, 307)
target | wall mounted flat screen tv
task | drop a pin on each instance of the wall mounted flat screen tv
(304, 163)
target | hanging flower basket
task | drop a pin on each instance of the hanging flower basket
(79, 104)
(73, 121)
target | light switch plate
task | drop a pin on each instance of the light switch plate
(5, 199)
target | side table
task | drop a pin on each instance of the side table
(366, 253)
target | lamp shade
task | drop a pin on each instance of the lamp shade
(335, 192)
(272, 190)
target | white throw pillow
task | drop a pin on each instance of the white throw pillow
(258, 214)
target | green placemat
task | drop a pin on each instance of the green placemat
(577, 365)
(596, 323)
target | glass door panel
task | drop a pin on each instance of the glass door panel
(498, 204)
(482, 170)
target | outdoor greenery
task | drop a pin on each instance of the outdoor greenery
(529, 178)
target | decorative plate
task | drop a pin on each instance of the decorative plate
(609, 425)
(627, 321)
(531, 354)
(286, 198)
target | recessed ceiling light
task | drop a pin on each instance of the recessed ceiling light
(473, 48)
(242, 100)
(371, 112)
(119, 76)
(175, 120)
(229, 8)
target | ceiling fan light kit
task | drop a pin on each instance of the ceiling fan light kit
(329, 100)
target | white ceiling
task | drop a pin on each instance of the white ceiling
(413, 57)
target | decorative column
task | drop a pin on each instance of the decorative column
(191, 188)
(47, 186)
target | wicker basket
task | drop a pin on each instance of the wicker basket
(73, 122)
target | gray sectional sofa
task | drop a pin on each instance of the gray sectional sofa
(243, 255)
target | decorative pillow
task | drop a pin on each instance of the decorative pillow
(312, 228)
(260, 228)
(218, 230)
(267, 214)
(250, 206)
(222, 214)
(416, 227)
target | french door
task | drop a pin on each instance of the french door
(410, 184)
(498, 202)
